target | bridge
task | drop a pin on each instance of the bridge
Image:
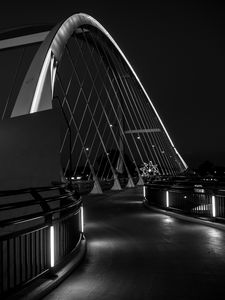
(77, 127)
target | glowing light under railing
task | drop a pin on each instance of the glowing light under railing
(82, 219)
(144, 191)
(167, 199)
(79, 177)
(213, 206)
(52, 247)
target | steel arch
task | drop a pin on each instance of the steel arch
(36, 92)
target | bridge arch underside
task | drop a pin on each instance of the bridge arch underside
(108, 127)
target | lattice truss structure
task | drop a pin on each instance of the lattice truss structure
(109, 126)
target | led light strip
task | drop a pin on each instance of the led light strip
(82, 219)
(167, 199)
(213, 206)
(144, 191)
(52, 247)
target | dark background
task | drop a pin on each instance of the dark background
(177, 49)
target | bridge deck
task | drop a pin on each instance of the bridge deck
(135, 253)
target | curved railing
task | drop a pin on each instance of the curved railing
(39, 229)
(195, 200)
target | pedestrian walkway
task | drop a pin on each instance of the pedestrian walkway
(137, 254)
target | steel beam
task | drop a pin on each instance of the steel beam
(23, 40)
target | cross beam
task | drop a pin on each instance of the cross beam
(142, 130)
(23, 40)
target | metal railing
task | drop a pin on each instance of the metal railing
(38, 229)
(191, 200)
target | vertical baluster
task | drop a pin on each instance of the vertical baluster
(46, 247)
(39, 250)
(31, 254)
(20, 246)
(1, 267)
(64, 238)
(14, 261)
(35, 253)
(66, 233)
(8, 264)
(26, 257)
(60, 240)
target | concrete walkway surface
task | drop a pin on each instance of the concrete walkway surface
(137, 254)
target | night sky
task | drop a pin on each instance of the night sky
(177, 49)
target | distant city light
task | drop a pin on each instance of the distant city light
(87, 149)
(79, 177)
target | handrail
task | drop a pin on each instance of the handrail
(30, 203)
(47, 211)
(29, 190)
(34, 248)
(35, 216)
(196, 200)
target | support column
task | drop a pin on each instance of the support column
(140, 180)
(116, 186)
(97, 187)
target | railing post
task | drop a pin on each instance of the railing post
(144, 192)
(213, 206)
(167, 199)
(51, 243)
(82, 220)
(52, 246)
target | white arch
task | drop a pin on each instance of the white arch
(37, 89)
